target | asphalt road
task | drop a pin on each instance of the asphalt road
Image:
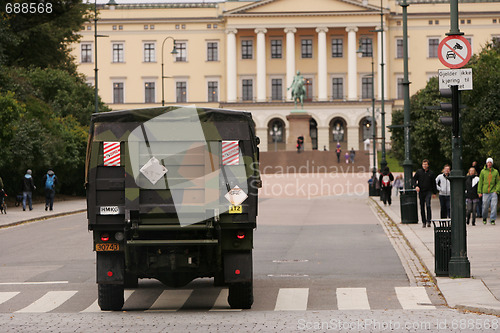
(325, 260)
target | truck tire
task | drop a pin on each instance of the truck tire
(130, 280)
(110, 297)
(240, 295)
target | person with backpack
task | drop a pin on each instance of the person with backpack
(49, 180)
(385, 181)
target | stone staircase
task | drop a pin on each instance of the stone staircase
(313, 161)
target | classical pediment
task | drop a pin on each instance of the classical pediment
(302, 7)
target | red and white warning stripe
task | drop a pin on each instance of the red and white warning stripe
(111, 153)
(230, 153)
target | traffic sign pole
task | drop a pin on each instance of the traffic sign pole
(456, 47)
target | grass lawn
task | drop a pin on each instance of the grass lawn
(392, 162)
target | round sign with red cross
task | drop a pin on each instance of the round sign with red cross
(454, 51)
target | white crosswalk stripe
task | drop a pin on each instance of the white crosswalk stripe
(48, 302)
(352, 299)
(292, 299)
(221, 303)
(171, 300)
(413, 298)
(5, 296)
(94, 307)
(288, 299)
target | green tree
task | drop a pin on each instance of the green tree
(41, 39)
(491, 141)
(430, 139)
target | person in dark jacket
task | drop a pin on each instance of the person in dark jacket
(425, 184)
(385, 180)
(471, 196)
(28, 187)
(49, 181)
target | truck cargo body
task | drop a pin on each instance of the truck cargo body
(172, 194)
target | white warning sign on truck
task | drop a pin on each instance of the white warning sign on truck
(236, 196)
(230, 152)
(153, 170)
(111, 153)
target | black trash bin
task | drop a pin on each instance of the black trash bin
(442, 246)
(408, 200)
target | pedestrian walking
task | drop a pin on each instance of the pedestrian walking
(352, 154)
(443, 186)
(338, 151)
(488, 188)
(386, 178)
(346, 157)
(479, 206)
(49, 180)
(300, 143)
(425, 185)
(471, 196)
(28, 187)
(398, 184)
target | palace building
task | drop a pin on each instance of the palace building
(244, 55)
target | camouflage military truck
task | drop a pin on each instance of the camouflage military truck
(172, 195)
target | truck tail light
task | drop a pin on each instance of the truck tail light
(105, 237)
(240, 235)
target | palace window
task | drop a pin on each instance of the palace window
(213, 91)
(337, 48)
(277, 89)
(307, 48)
(276, 48)
(247, 49)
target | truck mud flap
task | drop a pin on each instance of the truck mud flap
(110, 268)
(238, 267)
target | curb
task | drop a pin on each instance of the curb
(41, 218)
(491, 307)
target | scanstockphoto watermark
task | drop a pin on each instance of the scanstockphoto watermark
(310, 168)
(302, 188)
(370, 325)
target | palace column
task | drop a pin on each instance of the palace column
(352, 72)
(290, 59)
(231, 83)
(261, 64)
(322, 67)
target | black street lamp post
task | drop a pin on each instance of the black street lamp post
(372, 191)
(174, 53)
(96, 102)
(383, 162)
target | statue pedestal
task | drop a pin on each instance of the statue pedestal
(299, 125)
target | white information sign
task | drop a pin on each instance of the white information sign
(455, 77)
(236, 196)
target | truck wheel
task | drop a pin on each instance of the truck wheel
(240, 295)
(110, 297)
(130, 280)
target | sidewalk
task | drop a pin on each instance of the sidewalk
(480, 293)
(16, 215)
